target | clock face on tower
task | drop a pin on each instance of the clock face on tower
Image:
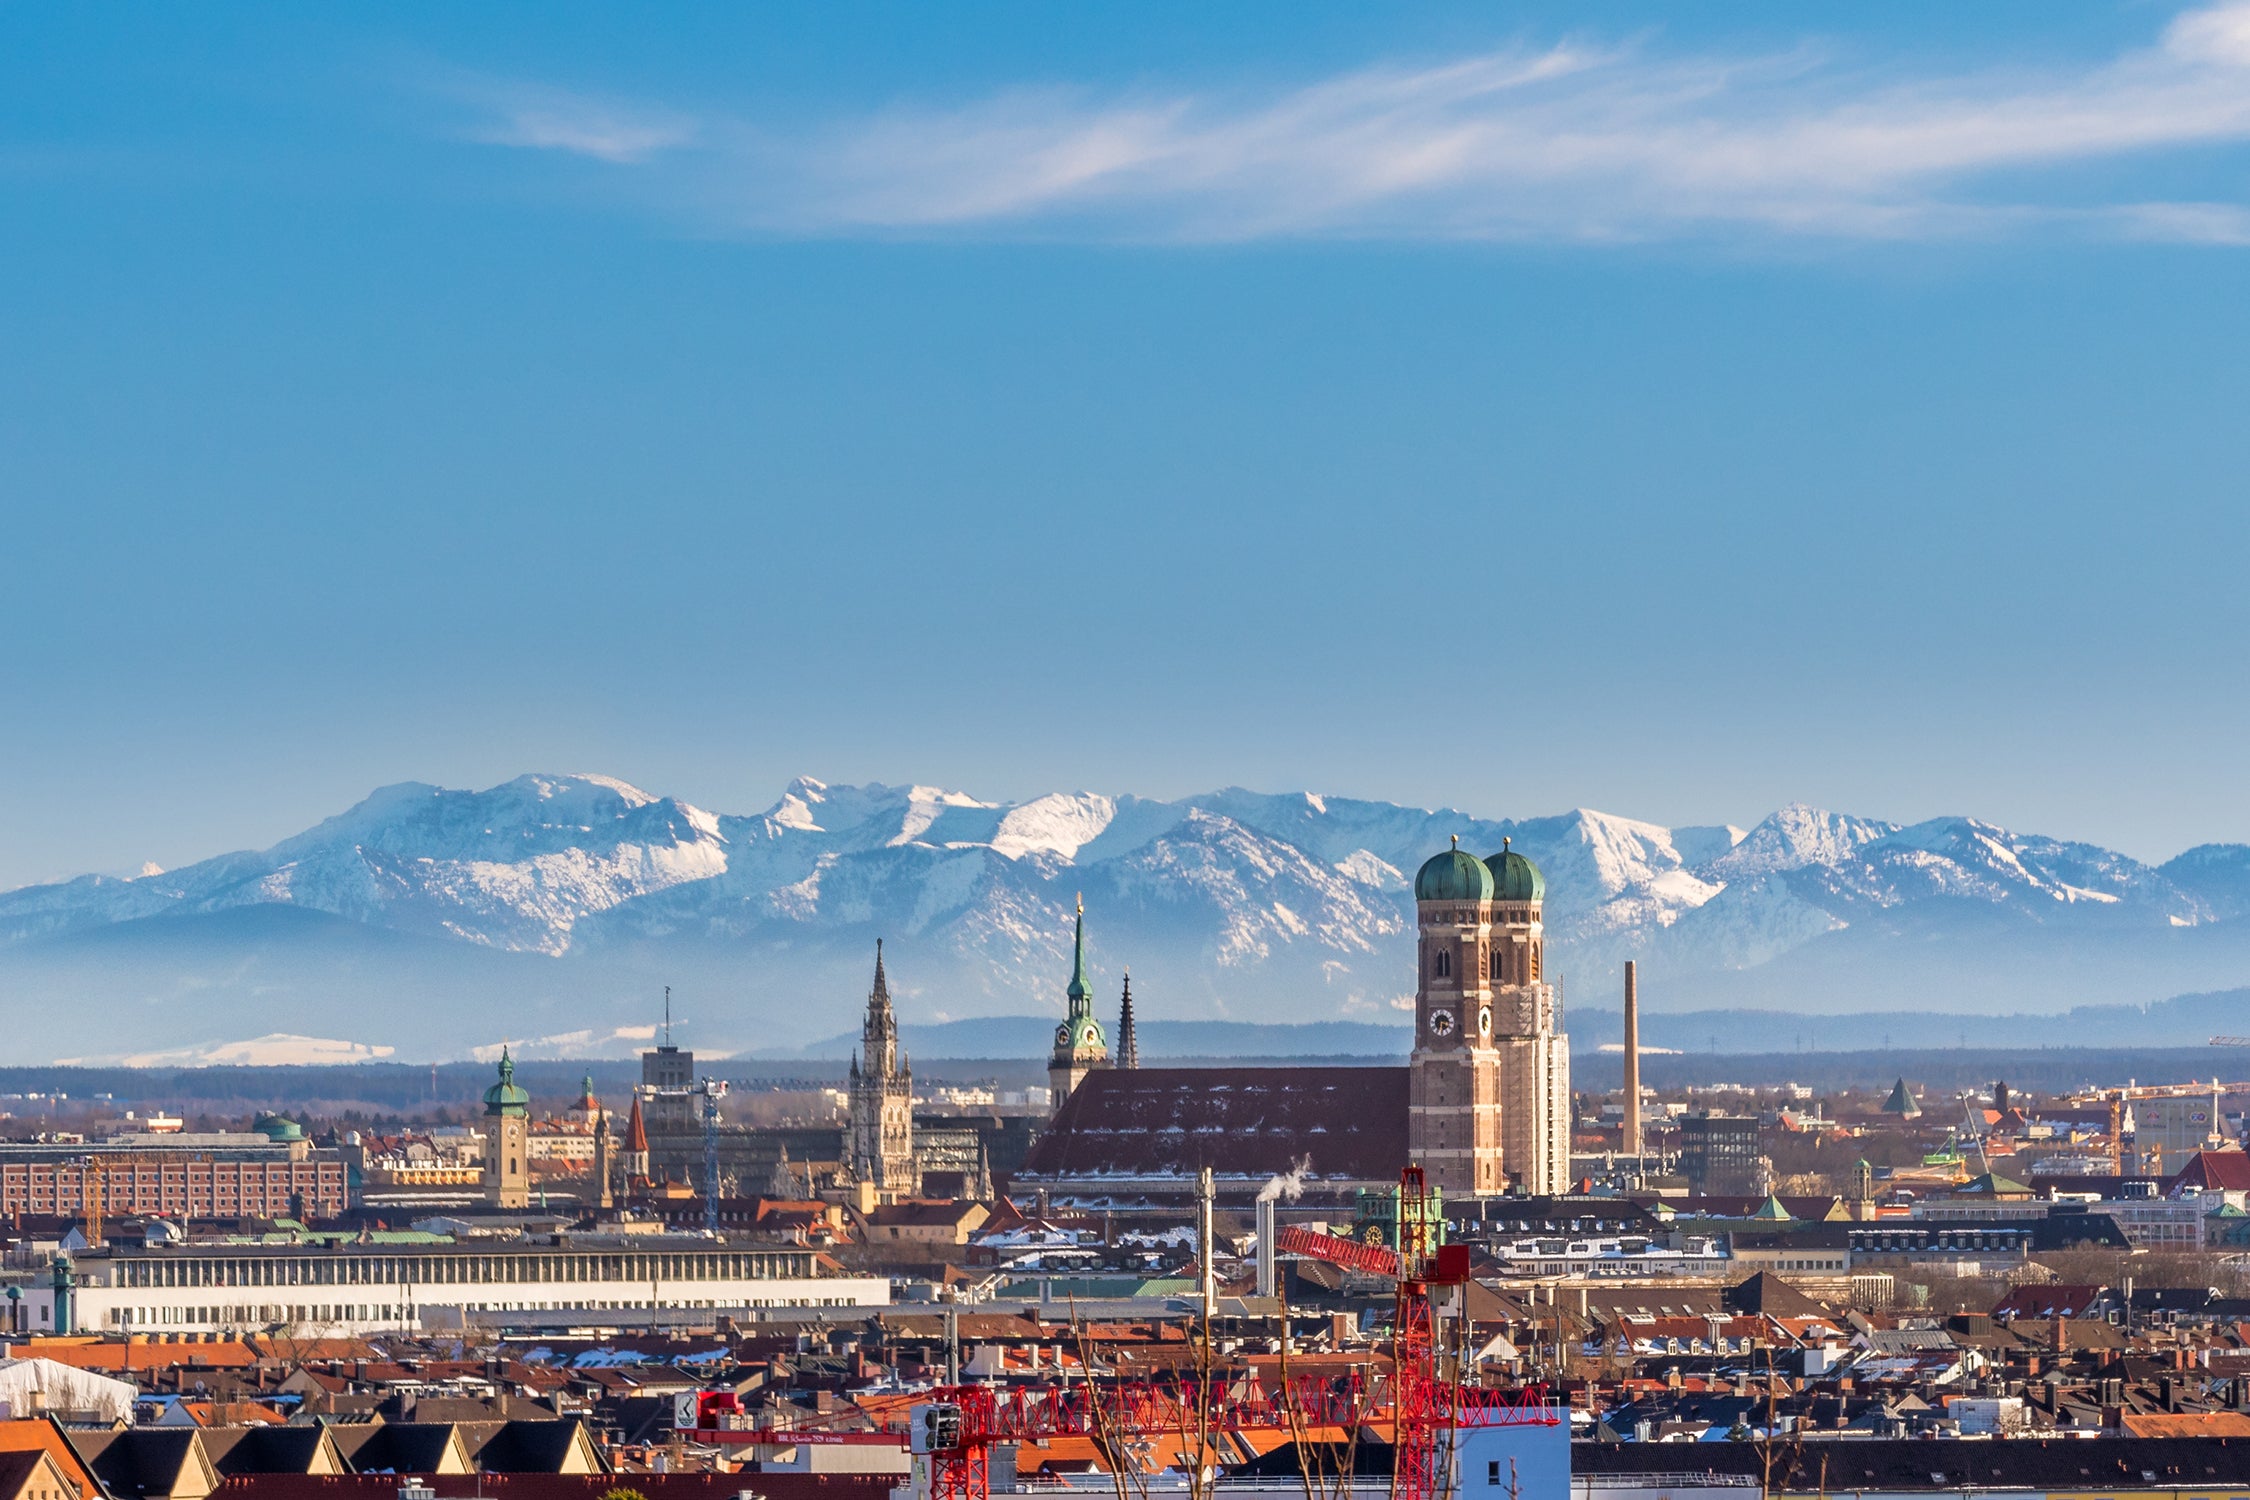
(1484, 1021)
(1441, 1023)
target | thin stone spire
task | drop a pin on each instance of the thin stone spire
(1128, 1043)
(879, 1034)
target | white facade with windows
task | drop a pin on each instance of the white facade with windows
(1629, 1256)
(351, 1289)
(2158, 1223)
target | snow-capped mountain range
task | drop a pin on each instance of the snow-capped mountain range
(435, 921)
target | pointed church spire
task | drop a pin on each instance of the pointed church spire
(878, 1050)
(1080, 992)
(1128, 1044)
(783, 1183)
(1079, 1043)
(636, 1130)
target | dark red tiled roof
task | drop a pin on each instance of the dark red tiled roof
(2067, 1301)
(2225, 1170)
(1348, 1123)
(919, 1215)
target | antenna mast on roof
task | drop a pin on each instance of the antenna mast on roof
(667, 1015)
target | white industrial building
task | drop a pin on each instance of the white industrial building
(315, 1291)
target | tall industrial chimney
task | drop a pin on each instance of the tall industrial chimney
(1632, 1141)
(1205, 1247)
(1266, 1233)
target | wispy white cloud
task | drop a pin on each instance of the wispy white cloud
(547, 119)
(1577, 141)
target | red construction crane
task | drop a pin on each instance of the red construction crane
(1415, 1390)
(1371, 1260)
(958, 1425)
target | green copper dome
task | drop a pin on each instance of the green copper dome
(277, 1128)
(1453, 876)
(504, 1097)
(1515, 878)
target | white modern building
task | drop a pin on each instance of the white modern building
(315, 1291)
(1616, 1256)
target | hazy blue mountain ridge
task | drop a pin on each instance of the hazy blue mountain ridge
(585, 895)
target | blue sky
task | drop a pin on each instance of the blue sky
(1674, 410)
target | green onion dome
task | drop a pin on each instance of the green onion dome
(1453, 876)
(1515, 878)
(507, 1097)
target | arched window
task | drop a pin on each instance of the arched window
(1492, 969)
(1441, 967)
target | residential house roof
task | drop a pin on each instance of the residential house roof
(33, 1474)
(45, 1434)
(149, 1461)
(2057, 1301)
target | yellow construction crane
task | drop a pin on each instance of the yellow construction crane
(2117, 1098)
(97, 1170)
(91, 1191)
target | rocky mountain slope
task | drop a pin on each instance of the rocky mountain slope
(554, 907)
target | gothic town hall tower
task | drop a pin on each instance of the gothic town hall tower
(882, 1099)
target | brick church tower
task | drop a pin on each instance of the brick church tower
(1490, 1093)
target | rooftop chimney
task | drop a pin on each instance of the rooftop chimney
(1632, 1141)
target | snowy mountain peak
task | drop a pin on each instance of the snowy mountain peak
(1623, 852)
(797, 804)
(1062, 823)
(1797, 836)
(577, 789)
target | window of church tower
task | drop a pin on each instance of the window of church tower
(1441, 966)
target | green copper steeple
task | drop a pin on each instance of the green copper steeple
(1080, 992)
(1080, 1035)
